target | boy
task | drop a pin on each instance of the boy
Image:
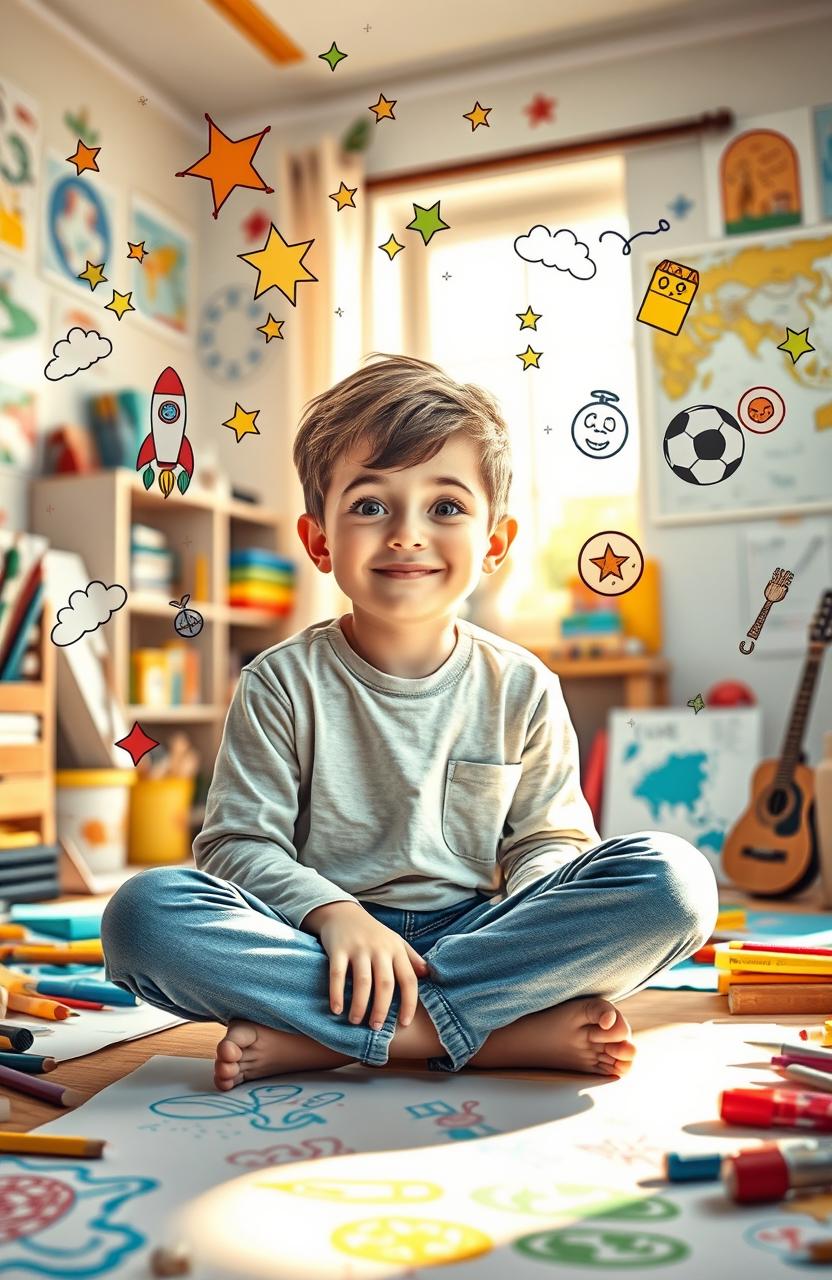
(382, 775)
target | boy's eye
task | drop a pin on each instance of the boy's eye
(374, 502)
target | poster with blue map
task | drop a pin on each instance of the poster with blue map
(673, 769)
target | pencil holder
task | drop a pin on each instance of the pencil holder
(159, 826)
(91, 810)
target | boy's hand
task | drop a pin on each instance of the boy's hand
(376, 954)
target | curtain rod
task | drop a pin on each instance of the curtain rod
(708, 122)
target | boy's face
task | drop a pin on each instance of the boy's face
(407, 517)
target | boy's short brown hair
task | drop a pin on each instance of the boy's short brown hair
(406, 409)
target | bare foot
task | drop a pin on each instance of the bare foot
(249, 1050)
(587, 1034)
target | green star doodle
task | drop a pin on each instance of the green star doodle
(427, 221)
(696, 703)
(333, 56)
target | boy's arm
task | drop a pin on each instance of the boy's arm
(549, 821)
(252, 806)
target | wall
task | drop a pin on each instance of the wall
(141, 148)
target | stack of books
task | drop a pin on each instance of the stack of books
(152, 563)
(29, 870)
(19, 728)
(260, 579)
(21, 603)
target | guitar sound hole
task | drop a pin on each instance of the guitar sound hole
(778, 801)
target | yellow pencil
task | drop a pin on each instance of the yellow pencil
(47, 1144)
(90, 953)
(40, 1006)
(772, 961)
(9, 931)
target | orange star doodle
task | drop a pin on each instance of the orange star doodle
(609, 564)
(84, 158)
(478, 115)
(279, 265)
(383, 110)
(137, 250)
(228, 164)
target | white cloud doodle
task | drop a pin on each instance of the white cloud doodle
(88, 609)
(561, 249)
(78, 350)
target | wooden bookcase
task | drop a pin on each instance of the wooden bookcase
(92, 515)
(27, 783)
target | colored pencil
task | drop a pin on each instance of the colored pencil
(777, 998)
(46, 1090)
(11, 931)
(801, 1060)
(47, 1144)
(72, 1003)
(32, 1063)
(770, 946)
(40, 1007)
(808, 1076)
(793, 1047)
(88, 954)
(772, 961)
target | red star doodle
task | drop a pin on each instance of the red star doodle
(137, 743)
(540, 109)
(255, 225)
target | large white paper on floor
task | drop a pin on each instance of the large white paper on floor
(394, 1173)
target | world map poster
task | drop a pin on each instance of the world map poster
(750, 291)
(672, 770)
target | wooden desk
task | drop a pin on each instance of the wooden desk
(644, 677)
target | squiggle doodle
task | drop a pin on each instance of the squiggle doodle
(664, 225)
(58, 1221)
(455, 1122)
(212, 1106)
(284, 1152)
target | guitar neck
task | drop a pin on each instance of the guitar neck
(793, 740)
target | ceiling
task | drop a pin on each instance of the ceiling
(189, 51)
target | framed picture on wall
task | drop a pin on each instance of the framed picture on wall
(19, 171)
(823, 143)
(162, 282)
(78, 227)
(734, 428)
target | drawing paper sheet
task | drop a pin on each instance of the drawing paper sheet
(394, 1173)
(785, 927)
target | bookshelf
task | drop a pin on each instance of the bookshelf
(92, 515)
(27, 787)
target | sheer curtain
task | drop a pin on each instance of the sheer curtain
(322, 347)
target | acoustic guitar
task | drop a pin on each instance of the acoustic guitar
(772, 851)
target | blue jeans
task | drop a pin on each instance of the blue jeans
(602, 924)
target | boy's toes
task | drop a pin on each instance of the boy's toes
(609, 1022)
(228, 1052)
(226, 1070)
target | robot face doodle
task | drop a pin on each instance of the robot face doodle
(600, 430)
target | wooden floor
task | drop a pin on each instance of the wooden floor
(651, 1008)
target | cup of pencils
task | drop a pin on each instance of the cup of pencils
(160, 805)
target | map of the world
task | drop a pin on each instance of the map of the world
(749, 292)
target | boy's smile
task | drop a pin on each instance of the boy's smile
(407, 546)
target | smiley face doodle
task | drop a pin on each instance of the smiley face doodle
(761, 409)
(599, 429)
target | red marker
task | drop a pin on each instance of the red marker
(91, 1004)
(769, 1108)
(770, 1171)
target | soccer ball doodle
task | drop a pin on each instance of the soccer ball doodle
(704, 444)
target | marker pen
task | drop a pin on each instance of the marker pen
(768, 1172)
(768, 1108)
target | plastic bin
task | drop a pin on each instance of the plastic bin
(92, 811)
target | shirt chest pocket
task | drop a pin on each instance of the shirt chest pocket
(477, 800)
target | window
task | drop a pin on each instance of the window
(456, 302)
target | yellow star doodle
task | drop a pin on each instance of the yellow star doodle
(280, 265)
(120, 302)
(271, 328)
(392, 247)
(529, 358)
(343, 197)
(84, 158)
(137, 251)
(797, 344)
(242, 422)
(93, 274)
(383, 110)
(528, 318)
(478, 115)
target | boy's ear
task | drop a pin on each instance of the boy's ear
(314, 540)
(499, 543)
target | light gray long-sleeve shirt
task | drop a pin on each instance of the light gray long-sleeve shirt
(335, 781)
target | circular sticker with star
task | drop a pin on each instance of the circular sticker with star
(610, 563)
(228, 343)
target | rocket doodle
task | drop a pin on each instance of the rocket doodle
(167, 445)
